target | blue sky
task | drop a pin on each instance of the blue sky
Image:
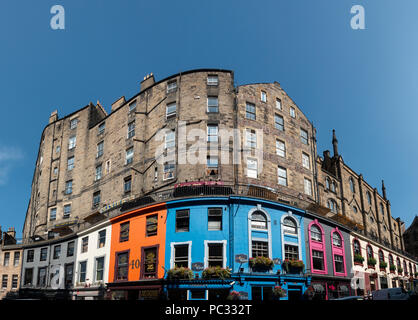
(363, 83)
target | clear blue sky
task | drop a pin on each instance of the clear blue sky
(363, 83)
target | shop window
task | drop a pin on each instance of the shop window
(152, 225)
(124, 232)
(181, 255)
(122, 264)
(149, 262)
(215, 255)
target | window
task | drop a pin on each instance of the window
(355, 209)
(336, 240)
(16, 258)
(279, 122)
(69, 187)
(129, 157)
(70, 249)
(215, 255)
(171, 86)
(250, 111)
(83, 270)
(182, 220)
(280, 148)
(100, 147)
(258, 220)
(308, 186)
(73, 123)
(150, 262)
(101, 128)
(382, 209)
(291, 252)
(333, 188)
(132, 106)
(68, 274)
(213, 104)
(381, 256)
(317, 260)
(96, 199)
(181, 255)
(289, 226)
(67, 211)
(6, 259)
(57, 251)
(101, 239)
(369, 251)
(369, 198)
(252, 168)
(250, 139)
(58, 149)
(29, 255)
(339, 263)
(42, 277)
(28, 276)
(316, 233)
(155, 173)
(278, 104)
(72, 143)
(44, 254)
(170, 140)
(356, 247)
(212, 80)
(352, 187)
(282, 176)
(131, 129)
(303, 136)
(53, 214)
(390, 260)
(84, 244)
(263, 96)
(331, 204)
(152, 225)
(212, 133)
(212, 161)
(55, 170)
(108, 166)
(14, 281)
(292, 112)
(70, 163)
(99, 268)
(171, 110)
(306, 163)
(169, 168)
(327, 183)
(127, 184)
(259, 249)
(4, 281)
(122, 264)
(215, 219)
(124, 232)
(98, 175)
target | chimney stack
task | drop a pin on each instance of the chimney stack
(54, 116)
(334, 143)
(147, 82)
(11, 232)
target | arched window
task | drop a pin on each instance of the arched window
(410, 269)
(382, 209)
(381, 256)
(398, 263)
(390, 260)
(327, 183)
(369, 251)
(404, 267)
(369, 198)
(352, 188)
(355, 209)
(356, 247)
(289, 225)
(331, 204)
(316, 233)
(333, 188)
(258, 220)
(336, 239)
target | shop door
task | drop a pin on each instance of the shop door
(261, 293)
(294, 293)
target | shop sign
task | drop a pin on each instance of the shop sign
(243, 295)
(115, 204)
(197, 266)
(241, 258)
(198, 183)
(277, 261)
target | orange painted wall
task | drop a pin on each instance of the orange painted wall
(138, 239)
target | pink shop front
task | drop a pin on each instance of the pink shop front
(328, 289)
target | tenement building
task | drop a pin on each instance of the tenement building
(196, 134)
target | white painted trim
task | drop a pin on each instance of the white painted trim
(259, 208)
(206, 242)
(172, 244)
(289, 214)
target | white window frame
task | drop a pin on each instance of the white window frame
(251, 170)
(72, 142)
(189, 259)
(281, 151)
(169, 114)
(307, 183)
(129, 156)
(263, 96)
(306, 161)
(211, 80)
(206, 258)
(281, 177)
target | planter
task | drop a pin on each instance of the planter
(180, 274)
(261, 264)
(356, 263)
(392, 268)
(216, 273)
(371, 262)
(358, 259)
(293, 266)
(233, 295)
(279, 292)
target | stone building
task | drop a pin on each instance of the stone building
(91, 162)
(10, 263)
(410, 237)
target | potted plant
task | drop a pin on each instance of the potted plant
(180, 273)
(371, 262)
(293, 266)
(400, 270)
(416, 274)
(261, 263)
(382, 265)
(216, 273)
(233, 295)
(279, 292)
(358, 259)
(392, 268)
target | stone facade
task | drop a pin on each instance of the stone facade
(84, 175)
(410, 237)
